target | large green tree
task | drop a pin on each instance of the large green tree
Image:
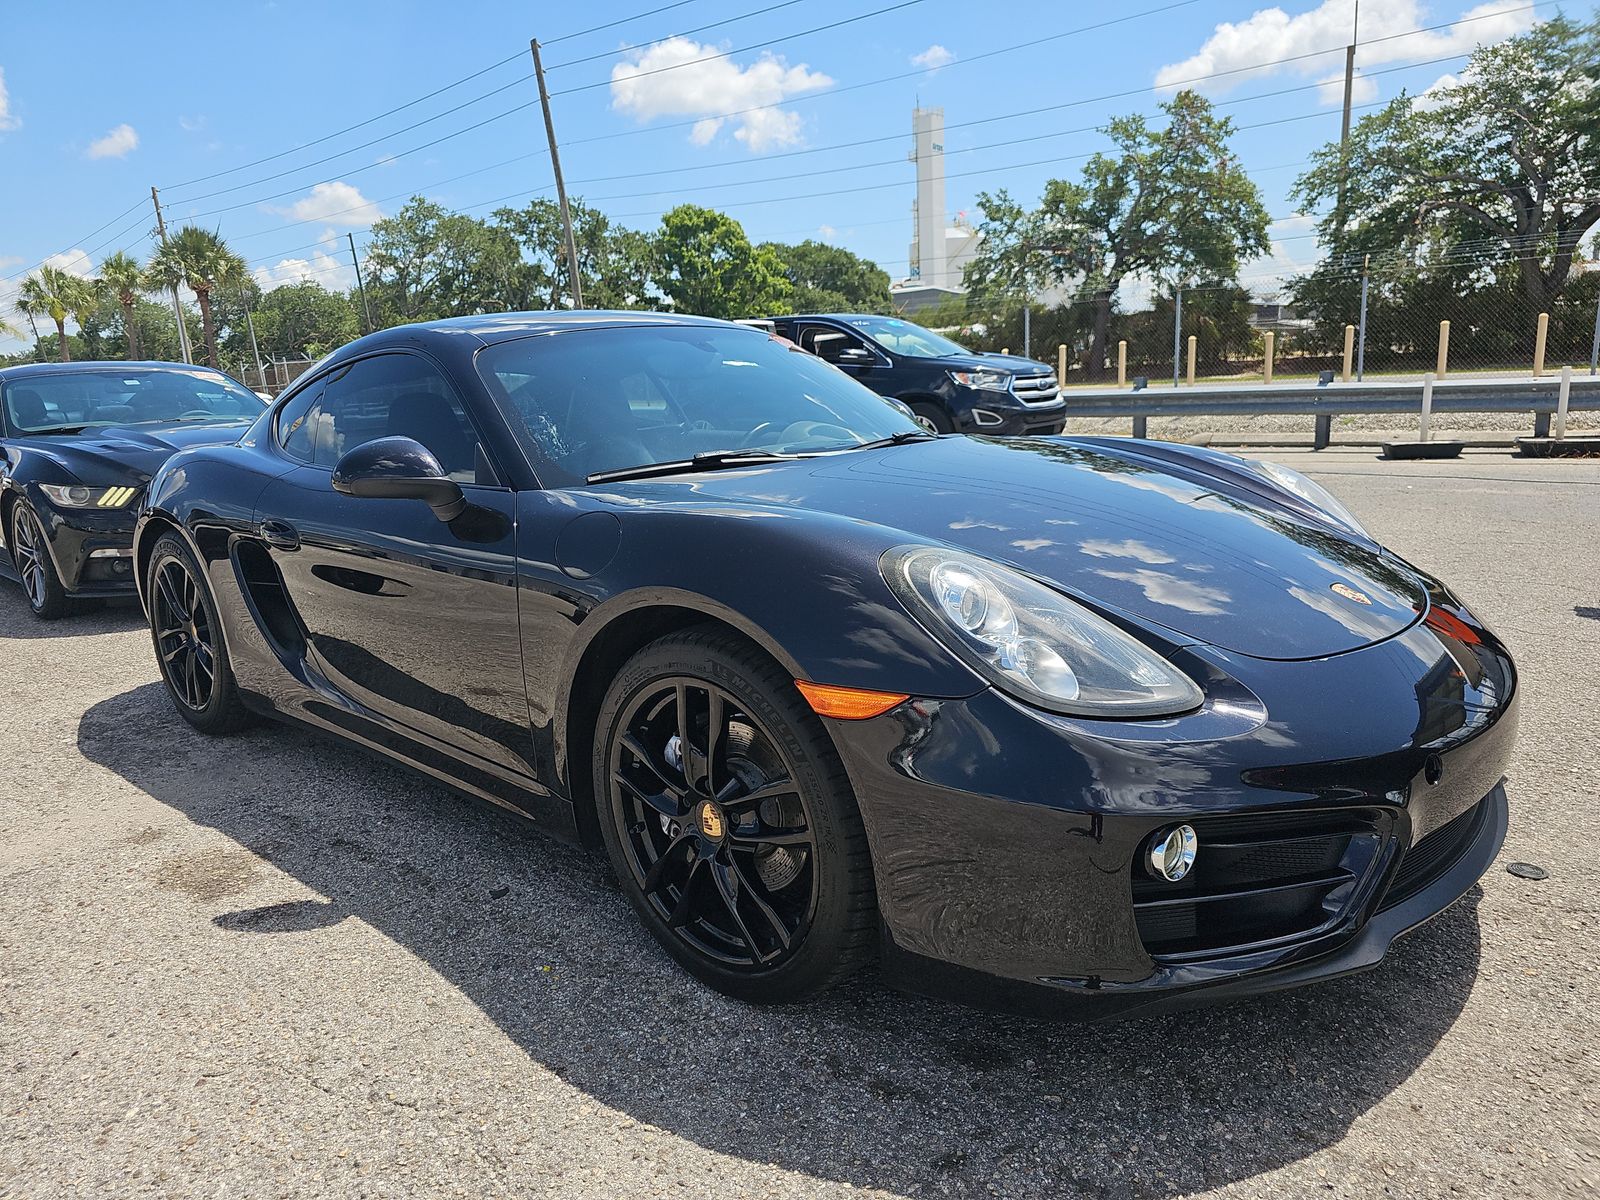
(124, 276)
(1167, 203)
(201, 259)
(1501, 167)
(824, 278)
(300, 319)
(56, 294)
(708, 266)
(426, 262)
(614, 262)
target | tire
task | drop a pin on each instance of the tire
(715, 883)
(187, 637)
(41, 585)
(932, 417)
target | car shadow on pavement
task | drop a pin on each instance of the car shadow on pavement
(95, 616)
(866, 1085)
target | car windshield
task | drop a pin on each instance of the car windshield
(589, 401)
(66, 401)
(906, 338)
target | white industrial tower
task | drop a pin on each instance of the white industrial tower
(929, 265)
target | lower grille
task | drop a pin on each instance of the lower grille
(1259, 879)
(1433, 855)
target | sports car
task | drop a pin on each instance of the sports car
(1076, 725)
(78, 443)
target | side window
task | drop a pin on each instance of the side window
(392, 395)
(294, 433)
(827, 342)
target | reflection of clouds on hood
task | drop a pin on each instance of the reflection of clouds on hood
(1161, 588)
(978, 523)
(1130, 548)
(1358, 621)
(1173, 489)
(1034, 543)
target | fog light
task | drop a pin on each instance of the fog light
(1172, 852)
(984, 417)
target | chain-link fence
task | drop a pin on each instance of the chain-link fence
(1385, 318)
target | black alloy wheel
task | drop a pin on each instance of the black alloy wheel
(729, 822)
(188, 642)
(40, 583)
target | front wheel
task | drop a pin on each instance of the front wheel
(47, 598)
(729, 821)
(188, 641)
(932, 418)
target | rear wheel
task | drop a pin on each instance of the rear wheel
(932, 418)
(729, 821)
(188, 641)
(47, 598)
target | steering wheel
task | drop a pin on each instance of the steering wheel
(750, 438)
(195, 414)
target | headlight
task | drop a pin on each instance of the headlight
(984, 381)
(1033, 642)
(1312, 493)
(76, 495)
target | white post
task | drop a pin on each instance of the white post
(1427, 406)
(1562, 399)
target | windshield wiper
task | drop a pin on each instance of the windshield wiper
(897, 439)
(709, 460)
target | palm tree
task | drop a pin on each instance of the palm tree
(123, 274)
(201, 259)
(54, 293)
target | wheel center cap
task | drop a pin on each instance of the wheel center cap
(712, 823)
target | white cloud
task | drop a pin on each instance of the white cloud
(1271, 35)
(934, 57)
(73, 262)
(191, 124)
(644, 88)
(1433, 95)
(119, 143)
(827, 232)
(336, 203)
(8, 120)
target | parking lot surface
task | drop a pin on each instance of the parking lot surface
(271, 966)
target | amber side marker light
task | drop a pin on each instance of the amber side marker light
(848, 704)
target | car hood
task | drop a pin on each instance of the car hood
(126, 454)
(1196, 554)
(1013, 363)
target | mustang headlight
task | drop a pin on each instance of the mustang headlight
(76, 495)
(1034, 642)
(984, 381)
(1312, 493)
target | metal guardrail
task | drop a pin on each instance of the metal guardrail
(1537, 397)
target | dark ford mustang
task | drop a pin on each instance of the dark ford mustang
(80, 441)
(1086, 725)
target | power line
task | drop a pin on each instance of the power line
(745, 16)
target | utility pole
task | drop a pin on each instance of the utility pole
(255, 350)
(561, 188)
(360, 286)
(1344, 128)
(177, 306)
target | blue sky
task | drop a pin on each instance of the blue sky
(83, 140)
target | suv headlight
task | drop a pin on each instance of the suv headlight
(984, 381)
(77, 495)
(1311, 492)
(1033, 642)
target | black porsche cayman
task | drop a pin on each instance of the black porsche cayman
(79, 442)
(1081, 724)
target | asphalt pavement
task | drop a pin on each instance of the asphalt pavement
(274, 967)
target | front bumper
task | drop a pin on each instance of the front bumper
(1008, 843)
(1002, 414)
(92, 548)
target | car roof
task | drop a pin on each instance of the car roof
(28, 370)
(836, 317)
(496, 327)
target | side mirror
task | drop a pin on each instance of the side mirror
(858, 356)
(399, 468)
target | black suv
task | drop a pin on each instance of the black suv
(949, 388)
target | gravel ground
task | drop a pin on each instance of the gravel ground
(275, 968)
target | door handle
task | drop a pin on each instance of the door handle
(280, 534)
